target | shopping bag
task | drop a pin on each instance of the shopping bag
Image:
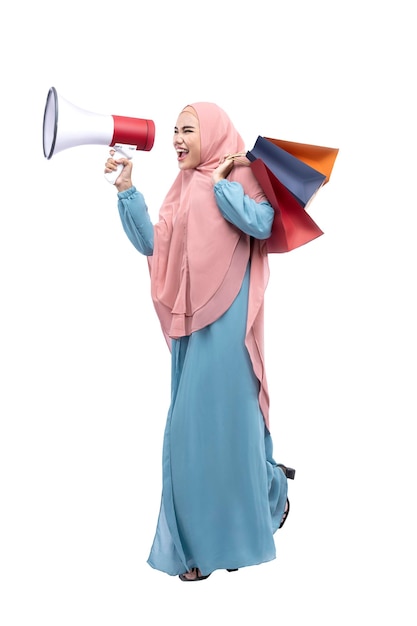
(291, 174)
(321, 158)
(292, 226)
(298, 177)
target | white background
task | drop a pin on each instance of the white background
(84, 367)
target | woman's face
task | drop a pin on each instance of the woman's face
(187, 140)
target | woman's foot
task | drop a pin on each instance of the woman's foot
(192, 575)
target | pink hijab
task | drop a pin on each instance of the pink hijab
(199, 258)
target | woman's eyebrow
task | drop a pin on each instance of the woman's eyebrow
(187, 127)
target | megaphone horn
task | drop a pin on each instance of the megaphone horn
(66, 126)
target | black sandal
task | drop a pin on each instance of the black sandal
(289, 473)
(285, 514)
(198, 576)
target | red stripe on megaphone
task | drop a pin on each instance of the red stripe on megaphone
(133, 131)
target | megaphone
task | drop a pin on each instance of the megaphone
(66, 126)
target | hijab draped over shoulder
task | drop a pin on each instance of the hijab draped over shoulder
(200, 258)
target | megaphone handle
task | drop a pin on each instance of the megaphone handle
(122, 151)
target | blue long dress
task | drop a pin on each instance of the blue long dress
(223, 495)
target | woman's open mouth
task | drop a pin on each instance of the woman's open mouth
(181, 154)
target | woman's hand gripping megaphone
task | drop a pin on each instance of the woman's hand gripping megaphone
(119, 166)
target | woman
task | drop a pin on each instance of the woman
(223, 495)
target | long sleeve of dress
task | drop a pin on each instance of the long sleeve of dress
(253, 218)
(135, 220)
